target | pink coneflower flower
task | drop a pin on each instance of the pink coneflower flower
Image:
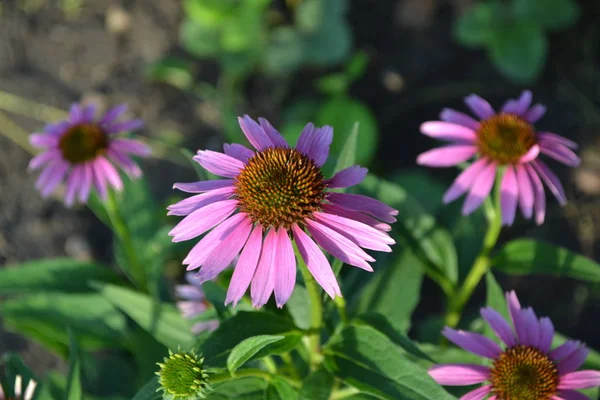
(272, 197)
(506, 139)
(18, 390)
(194, 303)
(78, 150)
(527, 369)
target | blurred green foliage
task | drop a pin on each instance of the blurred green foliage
(514, 32)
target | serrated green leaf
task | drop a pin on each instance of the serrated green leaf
(552, 15)
(317, 386)
(247, 349)
(366, 359)
(529, 256)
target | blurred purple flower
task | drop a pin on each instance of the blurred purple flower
(194, 304)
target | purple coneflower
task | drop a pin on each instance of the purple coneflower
(272, 197)
(528, 368)
(505, 139)
(18, 390)
(83, 149)
(194, 303)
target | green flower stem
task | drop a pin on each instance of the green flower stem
(340, 304)
(270, 364)
(481, 265)
(121, 230)
(252, 372)
(344, 393)
(316, 315)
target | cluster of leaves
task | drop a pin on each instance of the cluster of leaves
(514, 32)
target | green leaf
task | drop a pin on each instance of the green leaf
(394, 291)
(384, 326)
(519, 50)
(330, 45)
(333, 84)
(347, 157)
(285, 51)
(308, 16)
(366, 359)
(199, 40)
(240, 389)
(247, 349)
(553, 15)
(174, 71)
(356, 67)
(74, 390)
(477, 25)
(210, 13)
(336, 112)
(149, 391)
(299, 307)
(317, 386)
(246, 324)
(49, 275)
(281, 390)
(529, 256)
(162, 321)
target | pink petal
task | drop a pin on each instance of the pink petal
(125, 163)
(531, 154)
(43, 140)
(202, 220)
(316, 262)
(361, 234)
(285, 271)
(357, 216)
(580, 380)
(448, 131)
(571, 395)
(347, 177)
(86, 182)
(459, 374)
(573, 361)
(364, 204)
(314, 143)
(113, 114)
(447, 156)
(526, 197)
(222, 256)
(464, 180)
(339, 246)
(479, 106)
(535, 113)
(73, 185)
(44, 158)
(189, 292)
(75, 113)
(560, 153)
(272, 133)
(459, 118)
(238, 151)
(509, 194)
(130, 146)
(564, 350)
(54, 178)
(193, 203)
(499, 325)
(100, 181)
(203, 186)
(254, 133)
(263, 282)
(539, 203)
(551, 181)
(529, 335)
(480, 189)
(126, 126)
(111, 174)
(245, 267)
(553, 137)
(520, 106)
(546, 334)
(477, 394)
(219, 163)
(473, 342)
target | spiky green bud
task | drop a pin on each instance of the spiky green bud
(182, 376)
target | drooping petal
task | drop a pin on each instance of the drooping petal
(553, 137)
(316, 262)
(122, 160)
(546, 334)
(473, 342)
(315, 142)
(573, 361)
(339, 246)
(219, 163)
(54, 179)
(110, 172)
(100, 182)
(551, 181)
(459, 374)
(130, 146)
(580, 380)
(509, 194)
(499, 325)
(479, 106)
(254, 133)
(456, 117)
(535, 113)
(202, 220)
(44, 158)
(539, 203)
(263, 282)
(285, 270)
(357, 216)
(364, 204)
(447, 156)
(193, 203)
(245, 267)
(86, 182)
(477, 394)
(560, 153)
(526, 197)
(464, 180)
(480, 189)
(73, 184)
(448, 131)
(272, 133)
(347, 177)
(568, 394)
(238, 151)
(203, 186)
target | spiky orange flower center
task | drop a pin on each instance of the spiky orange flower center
(83, 143)
(524, 373)
(279, 187)
(504, 138)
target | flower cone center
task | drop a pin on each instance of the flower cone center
(524, 373)
(279, 187)
(182, 375)
(505, 138)
(83, 143)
